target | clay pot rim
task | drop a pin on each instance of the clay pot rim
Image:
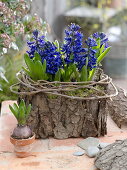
(22, 142)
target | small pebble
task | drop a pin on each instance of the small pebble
(88, 142)
(92, 151)
(103, 145)
(79, 153)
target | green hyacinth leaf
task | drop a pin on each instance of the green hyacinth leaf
(102, 49)
(21, 103)
(44, 66)
(76, 73)
(27, 72)
(91, 74)
(101, 57)
(62, 73)
(84, 74)
(21, 116)
(30, 65)
(37, 57)
(73, 72)
(98, 43)
(20, 111)
(58, 76)
(38, 70)
(28, 62)
(15, 106)
(14, 112)
(68, 72)
(24, 105)
(44, 70)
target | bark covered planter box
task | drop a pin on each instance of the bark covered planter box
(63, 116)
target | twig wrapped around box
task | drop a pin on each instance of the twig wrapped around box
(56, 113)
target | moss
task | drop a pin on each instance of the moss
(86, 92)
(51, 96)
(81, 92)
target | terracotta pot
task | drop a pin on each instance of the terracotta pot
(22, 147)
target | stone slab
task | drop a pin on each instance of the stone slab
(88, 142)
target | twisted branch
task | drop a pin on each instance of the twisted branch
(56, 87)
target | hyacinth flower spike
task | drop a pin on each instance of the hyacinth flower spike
(49, 61)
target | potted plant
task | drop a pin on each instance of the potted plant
(22, 136)
(64, 85)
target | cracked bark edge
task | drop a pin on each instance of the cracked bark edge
(117, 107)
(113, 157)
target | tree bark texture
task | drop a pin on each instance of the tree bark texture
(117, 108)
(63, 118)
(113, 157)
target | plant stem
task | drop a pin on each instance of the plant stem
(91, 74)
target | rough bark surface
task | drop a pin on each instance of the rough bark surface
(113, 157)
(117, 108)
(63, 118)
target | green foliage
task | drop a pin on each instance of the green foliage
(71, 72)
(99, 59)
(2, 77)
(36, 70)
(58, 75)
(84, 73)
(11, 65)
(68, 73)
(16, 23)
(100, 56)
(20, 112)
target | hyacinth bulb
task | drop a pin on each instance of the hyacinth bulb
(22, 132)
